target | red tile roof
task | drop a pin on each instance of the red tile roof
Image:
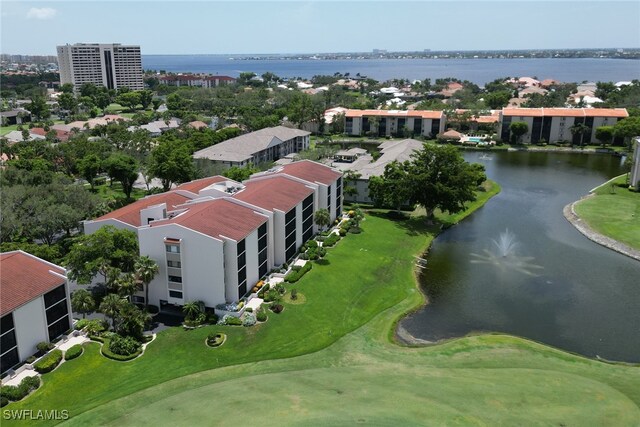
(130, 214)
(197, 124)
(606, 112)
(25, 277)
(312, 172)
(425, 114)
(62, 135)
(274, 192)
(217, 218)
(200, 184)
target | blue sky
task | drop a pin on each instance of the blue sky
(201, 27)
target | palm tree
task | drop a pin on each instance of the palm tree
(126, 285)
(192, 309)
(145, 270)
(322, 218)
(110, 307)
(82, 302)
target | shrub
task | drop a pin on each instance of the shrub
(331, 240)
(214, 340)
(44, 346)
(272, 295)
(355, 230)
(13, 393)
(123, 346)
(343, 232)
(312, 253)
(276, 308)
(95, 327)
(232, 320)
(261, 316)
(312, 244)
(3, 401)
(73, 352)
(81, 324)
(294, 294)
(31, 359)
(281, 289)
(248, 319)
(249, 310)
(322, 252)
(294, 276)
(49, 362)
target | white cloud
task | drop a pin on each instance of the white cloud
(41, 13)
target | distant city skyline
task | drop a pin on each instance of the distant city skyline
(265, 27)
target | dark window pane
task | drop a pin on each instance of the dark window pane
(9, 360)
(175, 294)
(7, 323)
(56, 312)
(8, 341)
(54, 296)
(58, 328)
(241, 246)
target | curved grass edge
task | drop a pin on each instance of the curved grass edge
(585, 225)
(419, 299)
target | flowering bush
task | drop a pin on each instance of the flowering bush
(248, 319)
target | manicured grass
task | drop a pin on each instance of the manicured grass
(6, 129)
(614, 211)
(109, 192)
(347, 370)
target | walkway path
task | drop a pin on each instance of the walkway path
(570, 214)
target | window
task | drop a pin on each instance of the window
(54, 296)
(175, 294)
(176, 279)
(58, 328)
(55, 312)
(174, 249)
(7, 323)
(138, 300)
(174, 264)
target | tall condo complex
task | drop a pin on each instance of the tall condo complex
(111, 65)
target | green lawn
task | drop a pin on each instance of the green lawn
(614, 211)
(6, 129)
(333, 360)
(110, 192)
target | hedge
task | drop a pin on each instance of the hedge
(73, 352)
(294, 276)
(26, 386)
(110, 355)
(331, 240)
(49, 362)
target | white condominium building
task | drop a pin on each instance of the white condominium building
(111, 65)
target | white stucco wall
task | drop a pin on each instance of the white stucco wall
(30, 323)
(91, 227)
(202, 259)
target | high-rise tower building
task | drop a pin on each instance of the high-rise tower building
(111, 65)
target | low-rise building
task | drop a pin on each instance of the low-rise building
(15, 117)
(394, 122)
(262, 146)
(635, 165)
(195, 80)
(214, 238)
(554, 124)
(35, 305)
(365, 166)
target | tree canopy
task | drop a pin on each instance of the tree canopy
(96, 253)
(436, 177)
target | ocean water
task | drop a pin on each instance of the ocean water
(479, 71)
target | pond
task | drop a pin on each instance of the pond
(518, 266)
